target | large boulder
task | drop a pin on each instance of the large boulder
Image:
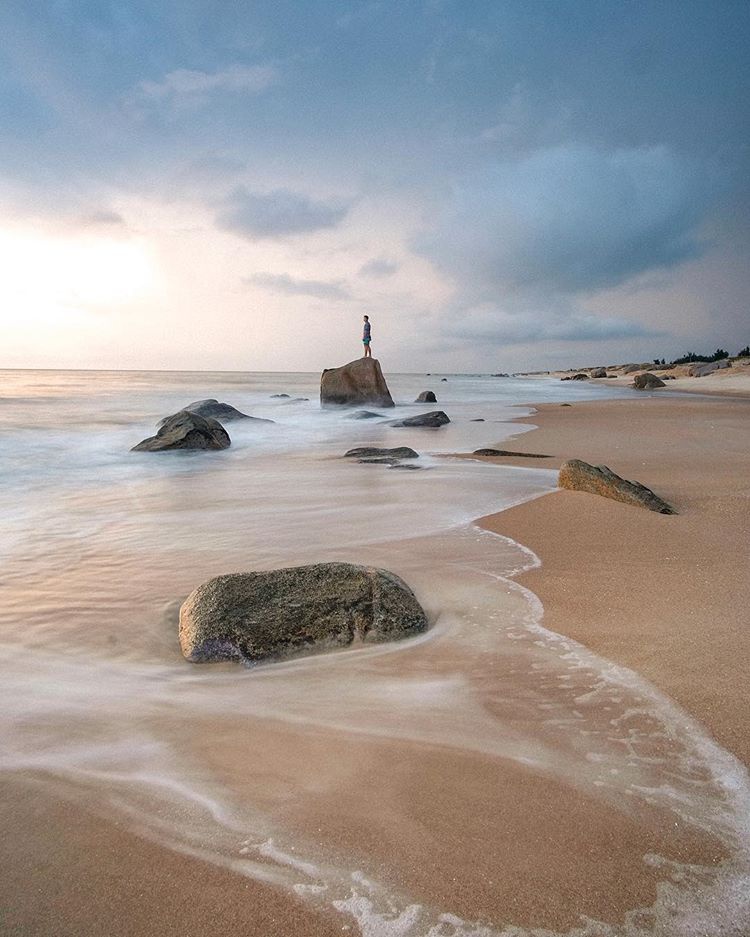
(370, 452)
(599, 372)
(288, 612)
(702, 368)
(647, 381)
(186, 430)
(359, 382)
(433, 419)
(577, 475)
(210, 407)
(427, 396)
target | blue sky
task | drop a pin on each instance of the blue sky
(499, 185)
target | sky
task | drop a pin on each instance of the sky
(501, 186)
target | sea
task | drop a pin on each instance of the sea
(100, 545)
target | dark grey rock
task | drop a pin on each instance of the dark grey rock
(427, 396)
(186, 430)
(278, 395)
(434, 419)
(290, 612)
(364, 415)
(372, 452)
(508, 452)
(215, 410)
(599, 372)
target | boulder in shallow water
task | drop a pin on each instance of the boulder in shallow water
(427, 396)
(358, 382)
(433, 419)
(372, 452)
(364, 415)
(508, 452)
(577, 475)
(210, 407)
(186, 430)
(300, 610)
(647, 381)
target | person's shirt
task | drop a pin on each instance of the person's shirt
(366, 332)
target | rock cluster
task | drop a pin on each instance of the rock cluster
(300, 610)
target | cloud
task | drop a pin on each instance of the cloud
(102, 218)
(186, 85)
(293, 286)
(277, 214)
(492, 324)
(379, 267)
(569, 220)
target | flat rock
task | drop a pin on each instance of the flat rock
(186, 430)
(577, 475)
(372, 452)
(647, 381)
(356, 383)
(478, 419)
(379, 460)
(427, 396)
(702, 368)
(215, 410)
(433, 419)
(364, 415)
(300, 610)
(507, 452)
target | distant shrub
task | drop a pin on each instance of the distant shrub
(744, 352)
(691, 356)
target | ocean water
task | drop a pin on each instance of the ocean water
(100, 545)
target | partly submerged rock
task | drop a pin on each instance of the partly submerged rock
(427, 396)
(372, 452)
(214, 409)
(186, 430)
(364, 415)
(433, 419)
(577, 475)
(287, 612)
(507, 452)
(575, 377)
(358, 382)
(279, 395)
(647, 381)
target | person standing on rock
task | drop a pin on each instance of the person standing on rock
(366, 338)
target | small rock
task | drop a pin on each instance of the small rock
(630, 368)
(599, 372)
(363, 415)
(566, 404)
(434, 419)
(288, 612)
(371, 452)
(378, 460)
(186, 430)
(577, 475)
(427, 396)
(479, 419)
(405, 465)
(279, 395)
(507, 452)
(443, 379)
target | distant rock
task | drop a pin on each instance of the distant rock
(507, 452)
(290, 612)
(372, 452)
(358, 382)
(702, 368)
(566, 404)
(279, 395)
(427, 396)
(434, 419)
(363, 415)
(577, 475)
(443, 379)
(186, 430)
(599, 372)
(575, 377)
(213, 409)
(405, 465)
(630, 368)
(647, 381)
(499, 375)
(478, 419)
(379, 460)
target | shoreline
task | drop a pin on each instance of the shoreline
(662, 595)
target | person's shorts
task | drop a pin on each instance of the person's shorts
(366, 341)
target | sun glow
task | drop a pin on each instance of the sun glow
(48, 280)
